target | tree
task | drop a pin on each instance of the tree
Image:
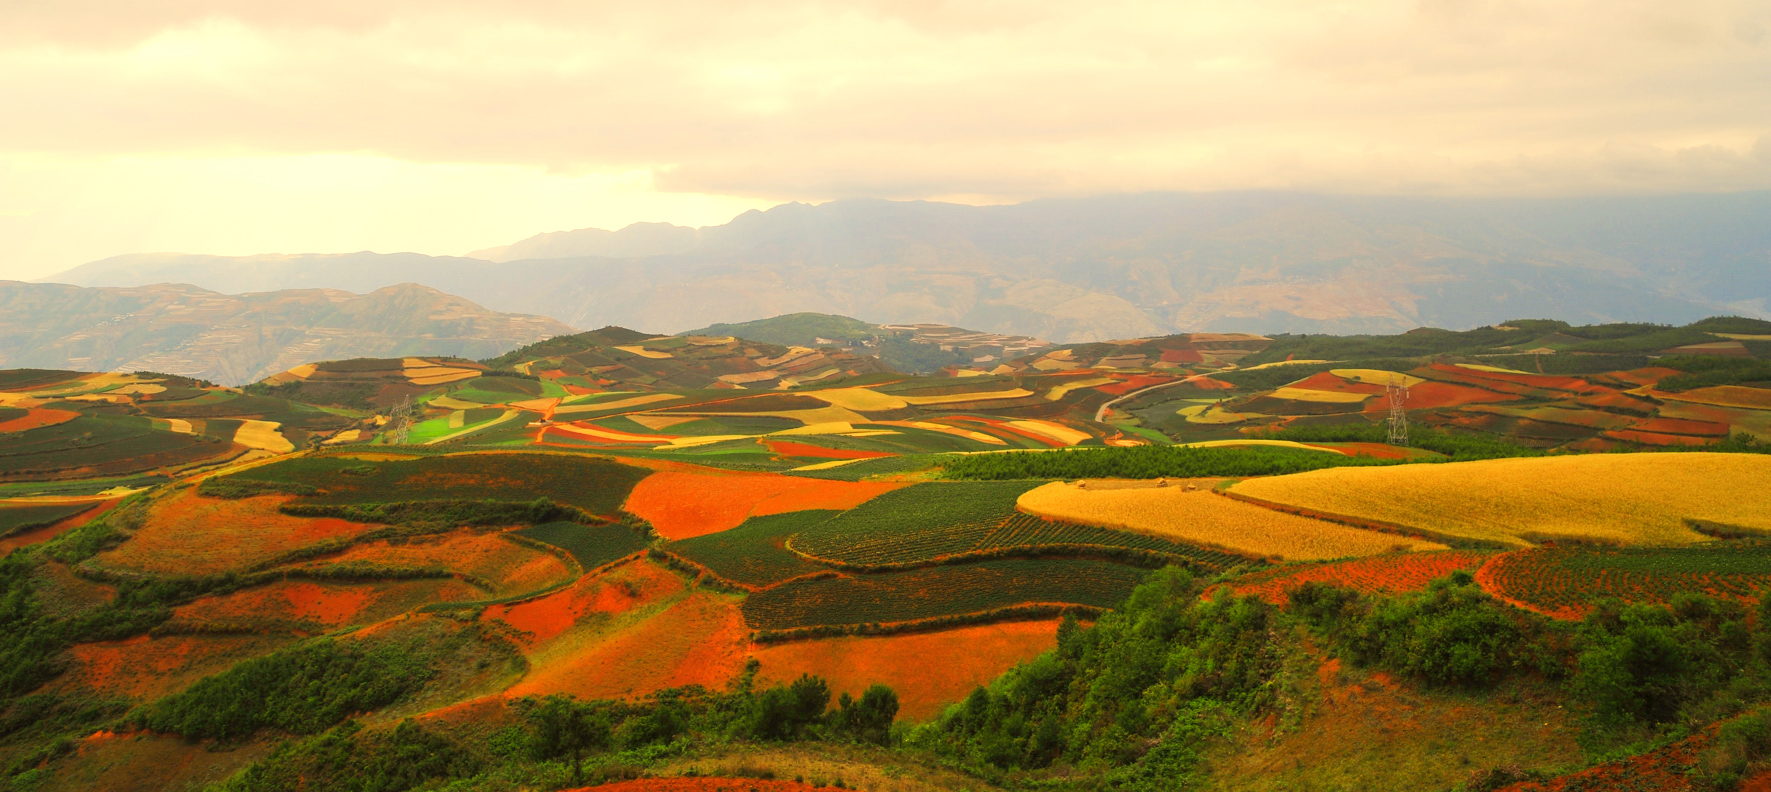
(870, 718)
(783, 712)
(564, 727)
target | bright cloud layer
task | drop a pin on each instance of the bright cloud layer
(236, 127)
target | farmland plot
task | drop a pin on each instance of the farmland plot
(1565, 581)
(1392, 574)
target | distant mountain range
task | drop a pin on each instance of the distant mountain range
(236, 339)
(1086, 269)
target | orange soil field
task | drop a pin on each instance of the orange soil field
(617, 591)
(1327, 381)
(187, 534)
(1432, 395)
(37, 418)
(698, 639)
(927, 670)
(682, 505)
(786, 448)
(148, 762)
(144, 667)
(511, 567)
(49, 532)
(323, 603)
(1390, 573)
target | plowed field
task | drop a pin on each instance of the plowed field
(187, 534)
(617, 591)
(511, 567)
(146, 667)
(695, 639)
(684, 505)
(1563, 582)
(1630, 498)
(1202, 517)
(322, 604)
(967, 657)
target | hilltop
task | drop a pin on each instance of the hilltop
(240, 338)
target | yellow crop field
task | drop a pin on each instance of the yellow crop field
(1725, 396)
(1629, 498)
(620, 404)
(646, 353)
(1326, 397)
(1278, 363)
(1058, 432)
(1203, 517)
(1254, 442)
(859, 399)
(1060, 391)
(1376, 377)
(449, 403)
(262, 435)
(956, 398)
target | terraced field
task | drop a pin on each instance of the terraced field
(754, 553)
(596, 485)
(1394, 574)
(1627, 498)
(940, 520)
(1565, 581)
(936, 592)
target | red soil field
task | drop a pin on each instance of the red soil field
(1682, 426)
(1545, 381)
(187, 534)
(700, 639)
(1662, 769)
(1182, 356)
(1000, 429)
(702, 784)
(616, 591)
(927, 670)
(681, 505)
(144, 667)
(1432, 395)
(1324, 381)
(1207, 383)
(37, 418)
(48, 532)
(1645, 376)
(1134, 383)
(1614, 400)
(323, 603)
(513, 568)
(791, 449)
(64, 594)
(1391, 573)
(1656, 438)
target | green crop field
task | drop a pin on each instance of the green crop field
(940, 591)
(1567, 580)
(99, 446)
(752, 553)
(594, 484)
(879, 466)
(14, 519)
(591, 545)
(936, 520)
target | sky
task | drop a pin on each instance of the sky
(239, 126)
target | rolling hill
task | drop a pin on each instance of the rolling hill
(1092, 269)
(236, 339)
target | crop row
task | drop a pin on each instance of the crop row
(753, 554)
(936, 520)
(590, 545)
(940, 591)
(594, 484)
(1565, 581)
(1386, 573)
(16, 519)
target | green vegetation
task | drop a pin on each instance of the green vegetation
(1451, 446)
(753, 554)
(1707, 371)
(19, 519)
(1280, 376)
(591, 545)
(594, 484)
(947, 521)
(350, 757)
(110, 445)
(302, 690)
(942, 591)
(1148, 462)
(800, 329)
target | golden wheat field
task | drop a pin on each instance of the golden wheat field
(1202, 517)
(1629, 498)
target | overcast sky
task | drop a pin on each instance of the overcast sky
(241, 126)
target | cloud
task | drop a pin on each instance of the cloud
(993, 101)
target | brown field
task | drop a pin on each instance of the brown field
(147, 762)
(681, 505)
(38, 417)
(513, 568)
(1627, 498)
(1724, 396)
(64, 594)
(187, 534)
(702, 784)
(323, 604)
(964, 659)
(146, 668)
(1203, 517)
(618, 590)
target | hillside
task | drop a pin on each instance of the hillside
(916, 349)
(241, 338)
(1093, 269)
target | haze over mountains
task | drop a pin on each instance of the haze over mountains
(1083, 269)
(236, 339)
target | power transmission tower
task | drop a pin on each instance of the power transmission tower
(399, 421)
(1398, 394)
